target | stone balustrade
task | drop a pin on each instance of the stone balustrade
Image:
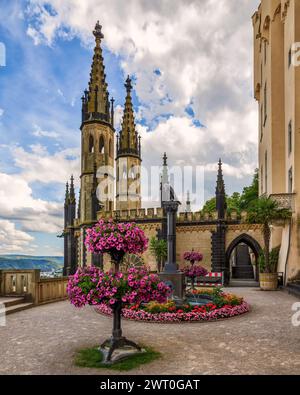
(29, 284)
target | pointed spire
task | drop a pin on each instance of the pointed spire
(188, 203)
(72, 191)
(67, 193)
(129, 138)
(112, 100)
(79, 204)
(220, 193)
(220, 182)
(94, 103)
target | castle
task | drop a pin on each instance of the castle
(111, 188)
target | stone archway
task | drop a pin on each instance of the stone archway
(243, 239)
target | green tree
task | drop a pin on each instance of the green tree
(266, 211)
(250, 194)
(237, 201)
(158, 248)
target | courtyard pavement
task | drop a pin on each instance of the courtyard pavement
(43, 340)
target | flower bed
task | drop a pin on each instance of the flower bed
(226, 306)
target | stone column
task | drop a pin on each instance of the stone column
(170, 274)
(171, 210)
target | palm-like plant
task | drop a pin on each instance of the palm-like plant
(266, 211)
(158, 248)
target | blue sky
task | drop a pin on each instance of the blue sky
(190, 98)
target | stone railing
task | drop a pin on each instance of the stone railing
(29, 284)
(285, 200)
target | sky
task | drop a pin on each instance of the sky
(191, 64)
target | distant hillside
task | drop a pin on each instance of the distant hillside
(45, 263)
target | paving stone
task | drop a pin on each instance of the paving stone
(44, 339)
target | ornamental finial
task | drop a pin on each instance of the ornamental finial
(128, 85)
(97, 32)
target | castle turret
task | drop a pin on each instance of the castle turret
(128, 158)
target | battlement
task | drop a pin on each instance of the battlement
(157, 214)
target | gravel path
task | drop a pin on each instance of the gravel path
(43, 340)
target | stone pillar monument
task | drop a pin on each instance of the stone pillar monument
(170, 273)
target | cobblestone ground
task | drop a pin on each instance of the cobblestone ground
(43, 340)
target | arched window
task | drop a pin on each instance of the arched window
(101, 145)
(110, 148)
(124, 173)
(132, 173)
(91, 144)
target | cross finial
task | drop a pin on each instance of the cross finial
(97, 32)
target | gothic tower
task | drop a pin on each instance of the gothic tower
(128, 166)
(97, 141)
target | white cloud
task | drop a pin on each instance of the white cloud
(38, 132)
(1, 112)
(17, 203)
(40, 165)
(14, 240)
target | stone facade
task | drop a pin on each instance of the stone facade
(276, 28)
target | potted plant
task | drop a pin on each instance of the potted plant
(193, 272)
(116, 239)
(158, 248)
(192, 256)
(92, 286)
(266, 211)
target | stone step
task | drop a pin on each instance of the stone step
(293, 289)
(243, 283)
(18, 307)
(9, 301)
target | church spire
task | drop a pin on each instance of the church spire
(220, 193)
(95, 102)
(129, 140)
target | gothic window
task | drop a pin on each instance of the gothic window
(261, 123)
(265, 103)
(265, 51)
(290, 136)
(290, 180)
(290, 57)
(101, 145)
(266, 172)
(132, 174)
(124, 173)
(91, 144)
(110, 148)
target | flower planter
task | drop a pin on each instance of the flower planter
(268, 281)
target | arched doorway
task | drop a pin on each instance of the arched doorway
(242, 258)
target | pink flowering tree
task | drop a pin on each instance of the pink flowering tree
(116, 239)
(92, 286)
